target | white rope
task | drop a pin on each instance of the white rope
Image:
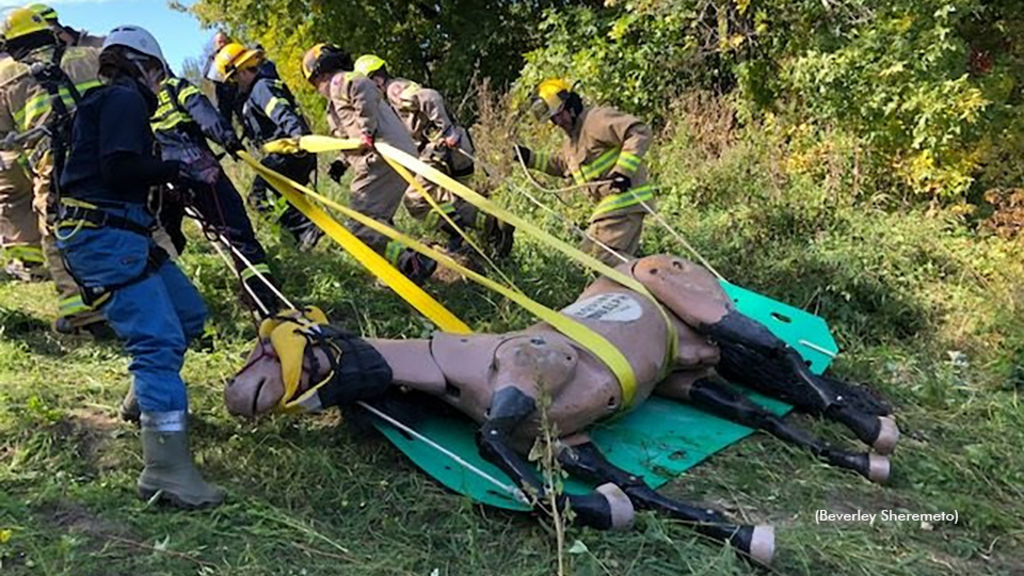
(516, 493)
(657, 217)
(248, 263)
(561, 217)
(231, 266)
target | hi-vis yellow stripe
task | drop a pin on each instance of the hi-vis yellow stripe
(584, 336)
(42, 103)
(614, 360)
(370, 260)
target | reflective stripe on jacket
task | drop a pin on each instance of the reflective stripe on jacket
(25, 103)
(270, 112)
(603, 141)
(182, 108)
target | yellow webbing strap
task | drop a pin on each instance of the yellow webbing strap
(447, 218)
(370, 260)
(485, 204)
(581, 334)
(625, 375)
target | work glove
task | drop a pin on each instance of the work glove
(337, 170)
(366, 140)
(521, 152)
(620, 181)
(233, 146)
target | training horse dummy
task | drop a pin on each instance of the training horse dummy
(303, 364)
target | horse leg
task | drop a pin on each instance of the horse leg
(751, 355)
(586, 460)
(606, 508)
(702, 391)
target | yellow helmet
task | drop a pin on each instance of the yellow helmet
(22, 22)
(323, 59)
(369, 63)
(235, 57)
(45, 12)
(550, 97)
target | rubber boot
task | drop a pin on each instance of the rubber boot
(170, 474)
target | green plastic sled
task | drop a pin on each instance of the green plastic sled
(658, 441)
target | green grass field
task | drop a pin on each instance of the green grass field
(926, 309)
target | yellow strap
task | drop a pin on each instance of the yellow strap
(581, 334)
(447, 218)
(370, 260)
(318, 144)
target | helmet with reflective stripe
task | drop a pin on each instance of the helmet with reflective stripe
(235, 57)
(138, 39)
(551, 97)
(324, 59)
(22, 22)
(45, 12)
(367, 64)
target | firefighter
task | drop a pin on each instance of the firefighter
(357, 109)
(444, 145)
(65, 34)
(43, 65)
(105, 226)
(183, 121)
(20, 240)
(603, 152)
(269, 112)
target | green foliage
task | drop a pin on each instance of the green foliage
(447, 45)
(929, 87)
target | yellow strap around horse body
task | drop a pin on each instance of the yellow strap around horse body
(593, 342)
(370, 260)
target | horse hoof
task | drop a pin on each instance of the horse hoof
(621, 507)
(762, 544)
(878, 468)
(888, 436)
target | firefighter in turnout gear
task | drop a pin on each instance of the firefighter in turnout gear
(357, 109)
(20, 238)
(603, 152)
(65, 34)
(44, 67)
(183, 121)
(444, 145)
(105, 234)
(269, 112)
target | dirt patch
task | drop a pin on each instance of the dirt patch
(75, 518)
(91, 431)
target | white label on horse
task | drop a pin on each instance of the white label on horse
(607, 307)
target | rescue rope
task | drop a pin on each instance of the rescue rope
(657, 217)
(593, 342)
(558, 215)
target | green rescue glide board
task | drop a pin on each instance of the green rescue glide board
(659, 440)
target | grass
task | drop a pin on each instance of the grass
(927, 309)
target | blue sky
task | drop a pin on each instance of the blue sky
(179, 34)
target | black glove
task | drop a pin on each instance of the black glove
(233, 146)
(337, 170)
(521, 151)
(620, 181)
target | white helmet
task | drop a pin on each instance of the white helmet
(138, 39)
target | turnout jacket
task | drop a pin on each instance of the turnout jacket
(26, 104)
(270, 112)
(356, 106)
(422, 110)
(602, 141)
(184, 115)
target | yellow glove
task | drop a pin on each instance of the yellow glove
(283, 146)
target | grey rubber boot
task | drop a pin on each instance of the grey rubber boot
(129, 409)
(170, 474)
